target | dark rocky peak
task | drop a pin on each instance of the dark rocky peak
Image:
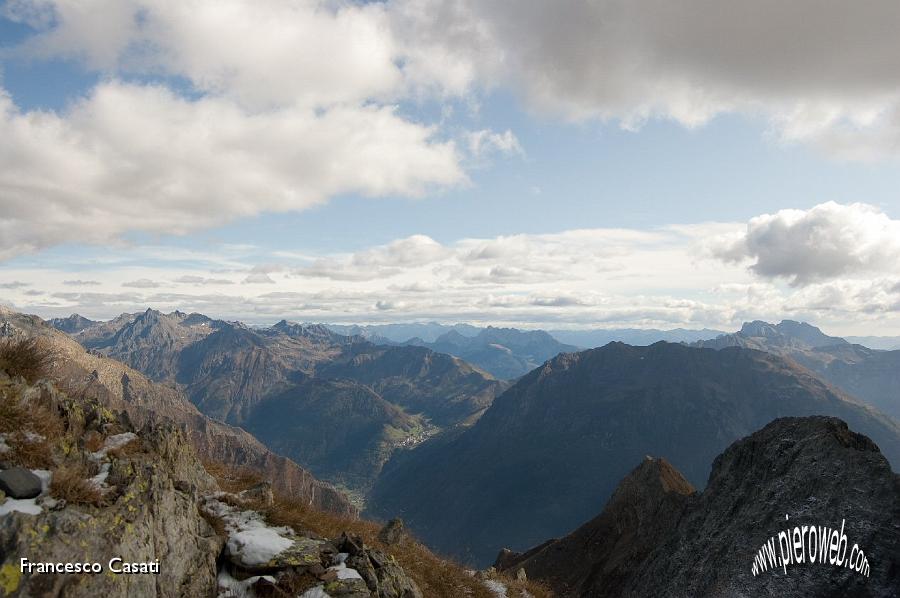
(649, 541)
(760, 329)
(808, 334)
(73, 324)
(196, 319)
(646, 503)
(452, 338)
(151, 323)
(313, 332)
(789, 332)
(233, 335)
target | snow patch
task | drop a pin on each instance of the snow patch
(257, 546)
(496, 587)
(250, 538)
(45, 476)
(345, 572)
(22, 505)
(316, 592)
(99, 480)
(229, 587)
(114, 442)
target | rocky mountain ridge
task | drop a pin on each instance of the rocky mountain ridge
(552, 448)
(505, 353)
(380, 398)
(656, 537)
(868, 374)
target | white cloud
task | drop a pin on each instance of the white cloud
(141, 158)
(260, 53)
(289, 103)
(201, 280)
(378, 262)
(825, 242)
(821, 72)
(142, 283)
(258, 278)
(485, 142)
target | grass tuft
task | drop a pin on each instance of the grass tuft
(70, 483)
(30, 358)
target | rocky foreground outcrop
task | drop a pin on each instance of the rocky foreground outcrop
(129, 496)
(656, 537)
(97, 506)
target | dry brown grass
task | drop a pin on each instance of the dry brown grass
(93, 441)
(70, 483)
(30, 358)
(19, 421)
(131, 449)
(31, 454)
(437, 577)
(232, 479)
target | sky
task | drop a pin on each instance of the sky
(560, 164)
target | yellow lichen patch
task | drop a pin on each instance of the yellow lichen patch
(10, 578)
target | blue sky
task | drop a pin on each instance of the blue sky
(394, 174)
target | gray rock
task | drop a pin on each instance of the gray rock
(365, 568)
(393, 582)
(393, 532)
(20, 483)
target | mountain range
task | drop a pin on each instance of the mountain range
(473, 463)
(597, 337)
(868, 374)
(350, 400)
(551, 449)
(503, 352)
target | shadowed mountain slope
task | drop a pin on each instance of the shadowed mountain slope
(551, 449)
(867, 374)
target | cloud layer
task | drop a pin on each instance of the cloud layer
(278, 105)
(700, 275)
(823, 72)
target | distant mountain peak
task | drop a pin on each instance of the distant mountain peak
(790, 331)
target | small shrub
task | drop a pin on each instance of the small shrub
(30, 358)
(93, 441)
(31, 454)
(130, 449)
(71, 484)
(19, 422)
(232, 479)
